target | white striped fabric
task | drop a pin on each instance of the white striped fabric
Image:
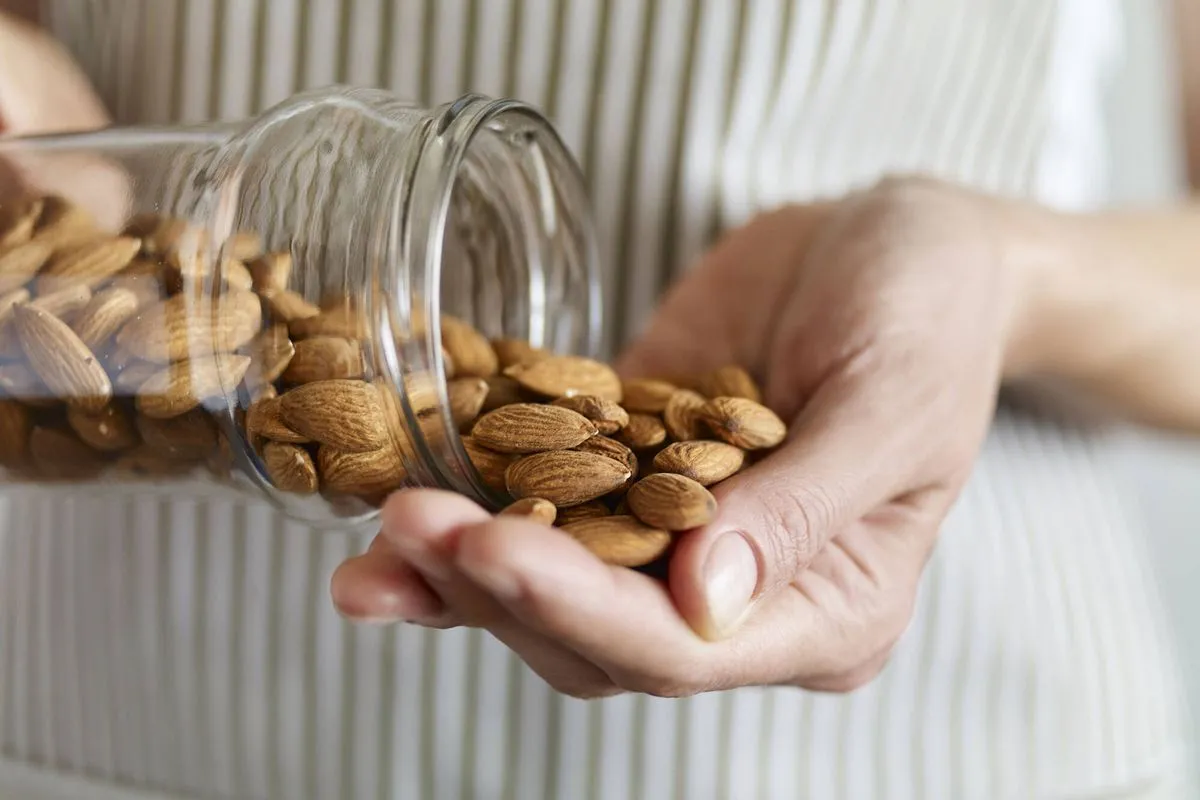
(188, 647)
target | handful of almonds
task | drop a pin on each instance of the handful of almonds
(125, 353)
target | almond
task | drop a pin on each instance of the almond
(145, 461)
(236, 276)
(265, 418)
(344, 414)
(363, 474)
(502, 391)
(190, 435)
(271, 272)
(466, 399)
(159, 234)
(470, 351)
(287, 306)
(511, 352)
(705, 462)
(104, 315)
(607, 416)
(271, 351)
(20, 264)
(133, 374)
(683, 415)
(16, 423)
(184, 326)
(290, 468)
(643, 432)
(536, 509)
(64, 363)
(672, 502)
(63, 455)
(602, 445)
(620, 541)
(146, 279)
(109, 429)
(729, 381)
(183, 385)
(244, 245)
(531, 428)
(323, 358)
(490, 465)
(448, 367)
(744, 423)
(63, 224)
(342, 320)
(564, 376)
(589, 510)
(647, 395)
(17, 220)
(88, 264)
(564, 477)
(64, 303)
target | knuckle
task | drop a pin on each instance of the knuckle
(796, 520)
(676, 683)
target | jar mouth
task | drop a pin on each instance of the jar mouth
(508, 155)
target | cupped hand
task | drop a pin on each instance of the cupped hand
(880, 326)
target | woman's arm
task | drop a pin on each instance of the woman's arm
(1113, 307)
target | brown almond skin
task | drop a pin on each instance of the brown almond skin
(490, 465)
(536, 509)
(290, 468)
(17, 220)
(672, 502)
(589, 510)
(244, 245)
(343, 320)
(108, 430)
(288, 306)
(21, 263)
(191, 435)
(469, 349)
(611, 448)
(65, 302)
(620, 540)
(179, 387)
(647, 395)
(643, 432)
(271, 272)
(19, 382)
(744, 423)
(186, 326)
(271, 352)
(264, 418)
(502, 391)
(132, 375)
(467, 396)
(60, 454)
(344, 414)
(324, 358)
(63, 223)
(706, 462)
(683, 416)
(69, 369)
(365, 474)
(16, 423)
(104, 315)
(87, 264)
(531, 428)
(607, 416)
(564, 477)
(565, 376)
(511, 352)
(729, 381)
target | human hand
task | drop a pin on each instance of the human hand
(880, 326)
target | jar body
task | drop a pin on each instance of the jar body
(264, 304)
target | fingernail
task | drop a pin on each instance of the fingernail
(730, 580)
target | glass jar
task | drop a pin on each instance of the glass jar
(215, 275)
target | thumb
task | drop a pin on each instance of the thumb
(776, 516)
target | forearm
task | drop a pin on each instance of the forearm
(1112, 306)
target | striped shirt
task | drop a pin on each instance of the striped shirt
(187, 645)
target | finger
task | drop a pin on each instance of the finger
(773, 518)
(381, 588)
(626, 624)
(425, 526)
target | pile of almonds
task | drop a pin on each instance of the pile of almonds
(619, 465)
(123, 354)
